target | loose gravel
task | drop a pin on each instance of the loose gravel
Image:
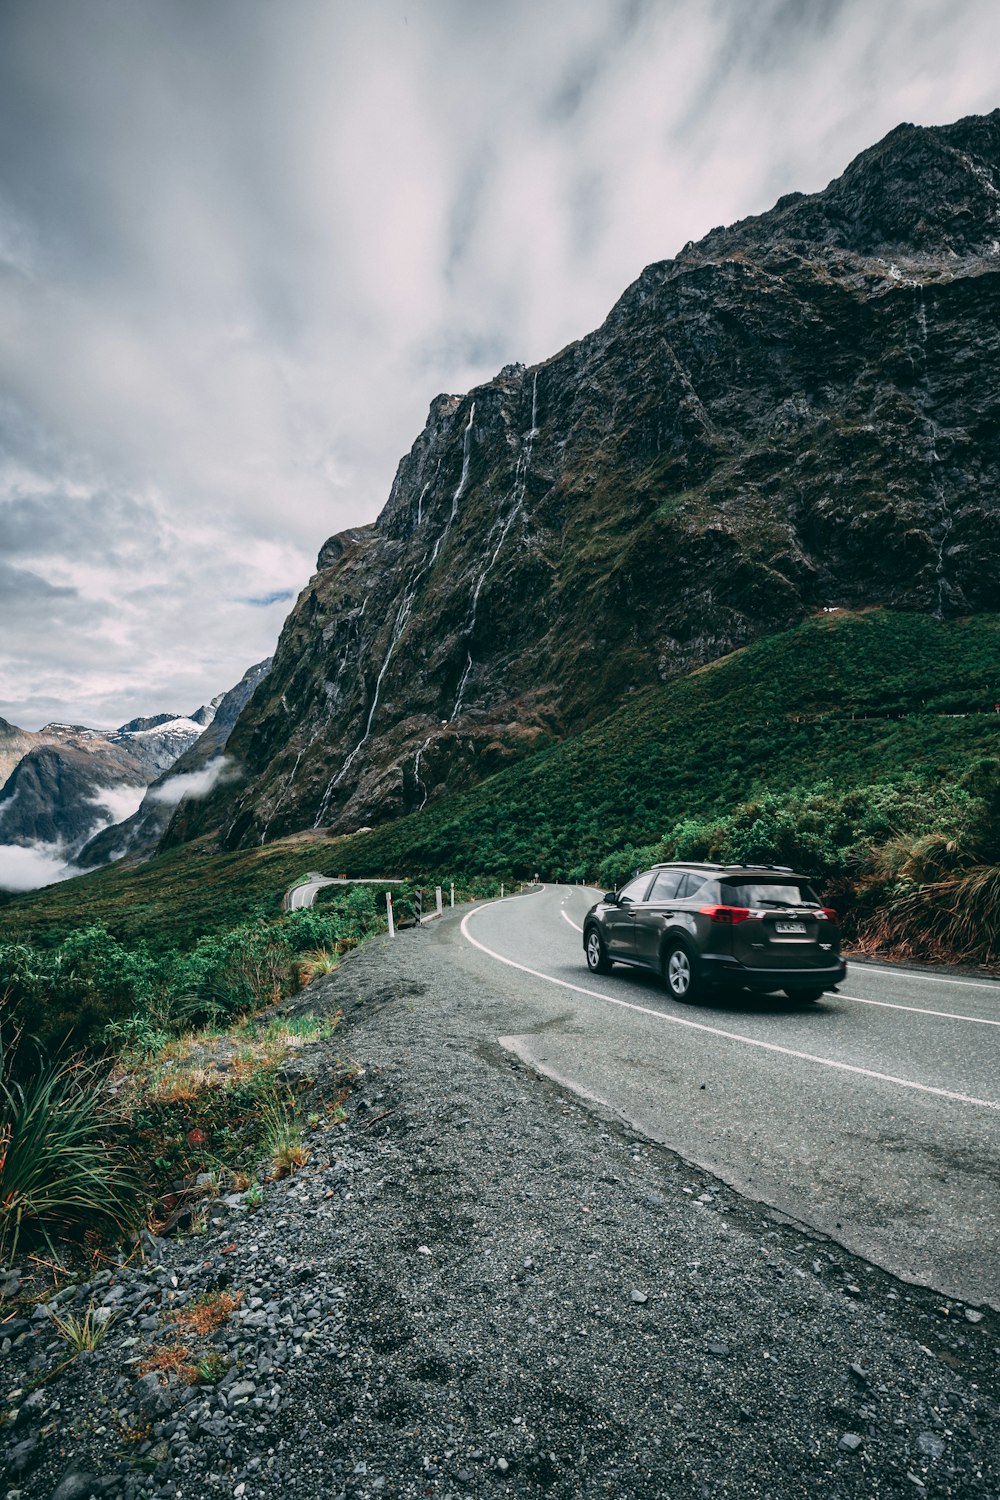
(480, 1286)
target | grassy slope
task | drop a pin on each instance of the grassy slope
(173, 899)
(775, 716)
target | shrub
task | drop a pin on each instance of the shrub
(59, 1179)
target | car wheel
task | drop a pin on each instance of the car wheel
(808, 997)
(679, 973)
(598, 961)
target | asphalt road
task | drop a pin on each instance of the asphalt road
(873, 1116)
(305, 894)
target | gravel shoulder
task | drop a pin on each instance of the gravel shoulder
(481, 1286)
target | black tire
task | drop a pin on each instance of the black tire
(598, 961)
(680, 972)
(808, 997)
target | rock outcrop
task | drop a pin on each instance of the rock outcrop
(799, 411)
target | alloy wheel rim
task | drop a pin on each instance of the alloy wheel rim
(680, 972)
(594, 949)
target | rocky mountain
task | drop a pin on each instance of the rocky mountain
(194, 771)
(68, 781)
(14, 746)
(799, 411)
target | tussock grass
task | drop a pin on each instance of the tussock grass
(283, 1137)
(60, 1181)
(82, 1333)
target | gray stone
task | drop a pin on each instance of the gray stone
(716, 1346)
(22, 1454)
(972, 1315)
(637, 1296)
(77, 1486)
(850, 1442)
(930, 1445)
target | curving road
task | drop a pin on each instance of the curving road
(873, 1116)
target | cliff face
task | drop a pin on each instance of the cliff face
(799, 411)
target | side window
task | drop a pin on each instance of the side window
(690, 886)
(665, 885)
(636, 889)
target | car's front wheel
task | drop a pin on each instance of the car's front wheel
(598, 961)
(679, 974)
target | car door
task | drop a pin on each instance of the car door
(619, 920)
(652, 915)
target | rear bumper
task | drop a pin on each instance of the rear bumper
(720, 970)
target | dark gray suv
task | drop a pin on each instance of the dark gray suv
(703, 927)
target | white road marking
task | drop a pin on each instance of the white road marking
(917, 1010)
(731, 1036)
(920, 1010)
(973, 984)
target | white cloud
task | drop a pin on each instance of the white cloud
(27, 869)
(196, 784)
(243, 245)
(116, 803)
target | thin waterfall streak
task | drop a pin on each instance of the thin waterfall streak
(420, 502)
(466, 451)
(518, 492)
(404, 612)
(416, 772)
(941, 520)
(284, 791)
(402, 615)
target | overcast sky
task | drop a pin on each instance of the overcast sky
(244, 243)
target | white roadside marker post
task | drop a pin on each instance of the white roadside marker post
(437, 897)
(501, 890)
(388, 912)
(453, 893)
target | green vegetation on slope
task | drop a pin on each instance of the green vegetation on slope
(845, 701)
(853, 728)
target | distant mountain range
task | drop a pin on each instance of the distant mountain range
(797, 412)
(84, 793)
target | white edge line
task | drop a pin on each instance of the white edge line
(969, 984)
(920, 1010)
(917, 1010)
(731, 1036)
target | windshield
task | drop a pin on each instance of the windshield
(754, 893)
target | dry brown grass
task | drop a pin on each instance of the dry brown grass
(207, 1313)
(170, 1359)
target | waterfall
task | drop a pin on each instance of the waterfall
(416, 772)
(940, 521)
(466, 450)
(403, 615)
(518, 490)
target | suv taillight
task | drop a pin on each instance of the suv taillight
(831, 915)
(730, 915)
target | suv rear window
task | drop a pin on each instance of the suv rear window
(753, 893)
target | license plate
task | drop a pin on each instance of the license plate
(789, 927)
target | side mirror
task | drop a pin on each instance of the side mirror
(610, 898)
